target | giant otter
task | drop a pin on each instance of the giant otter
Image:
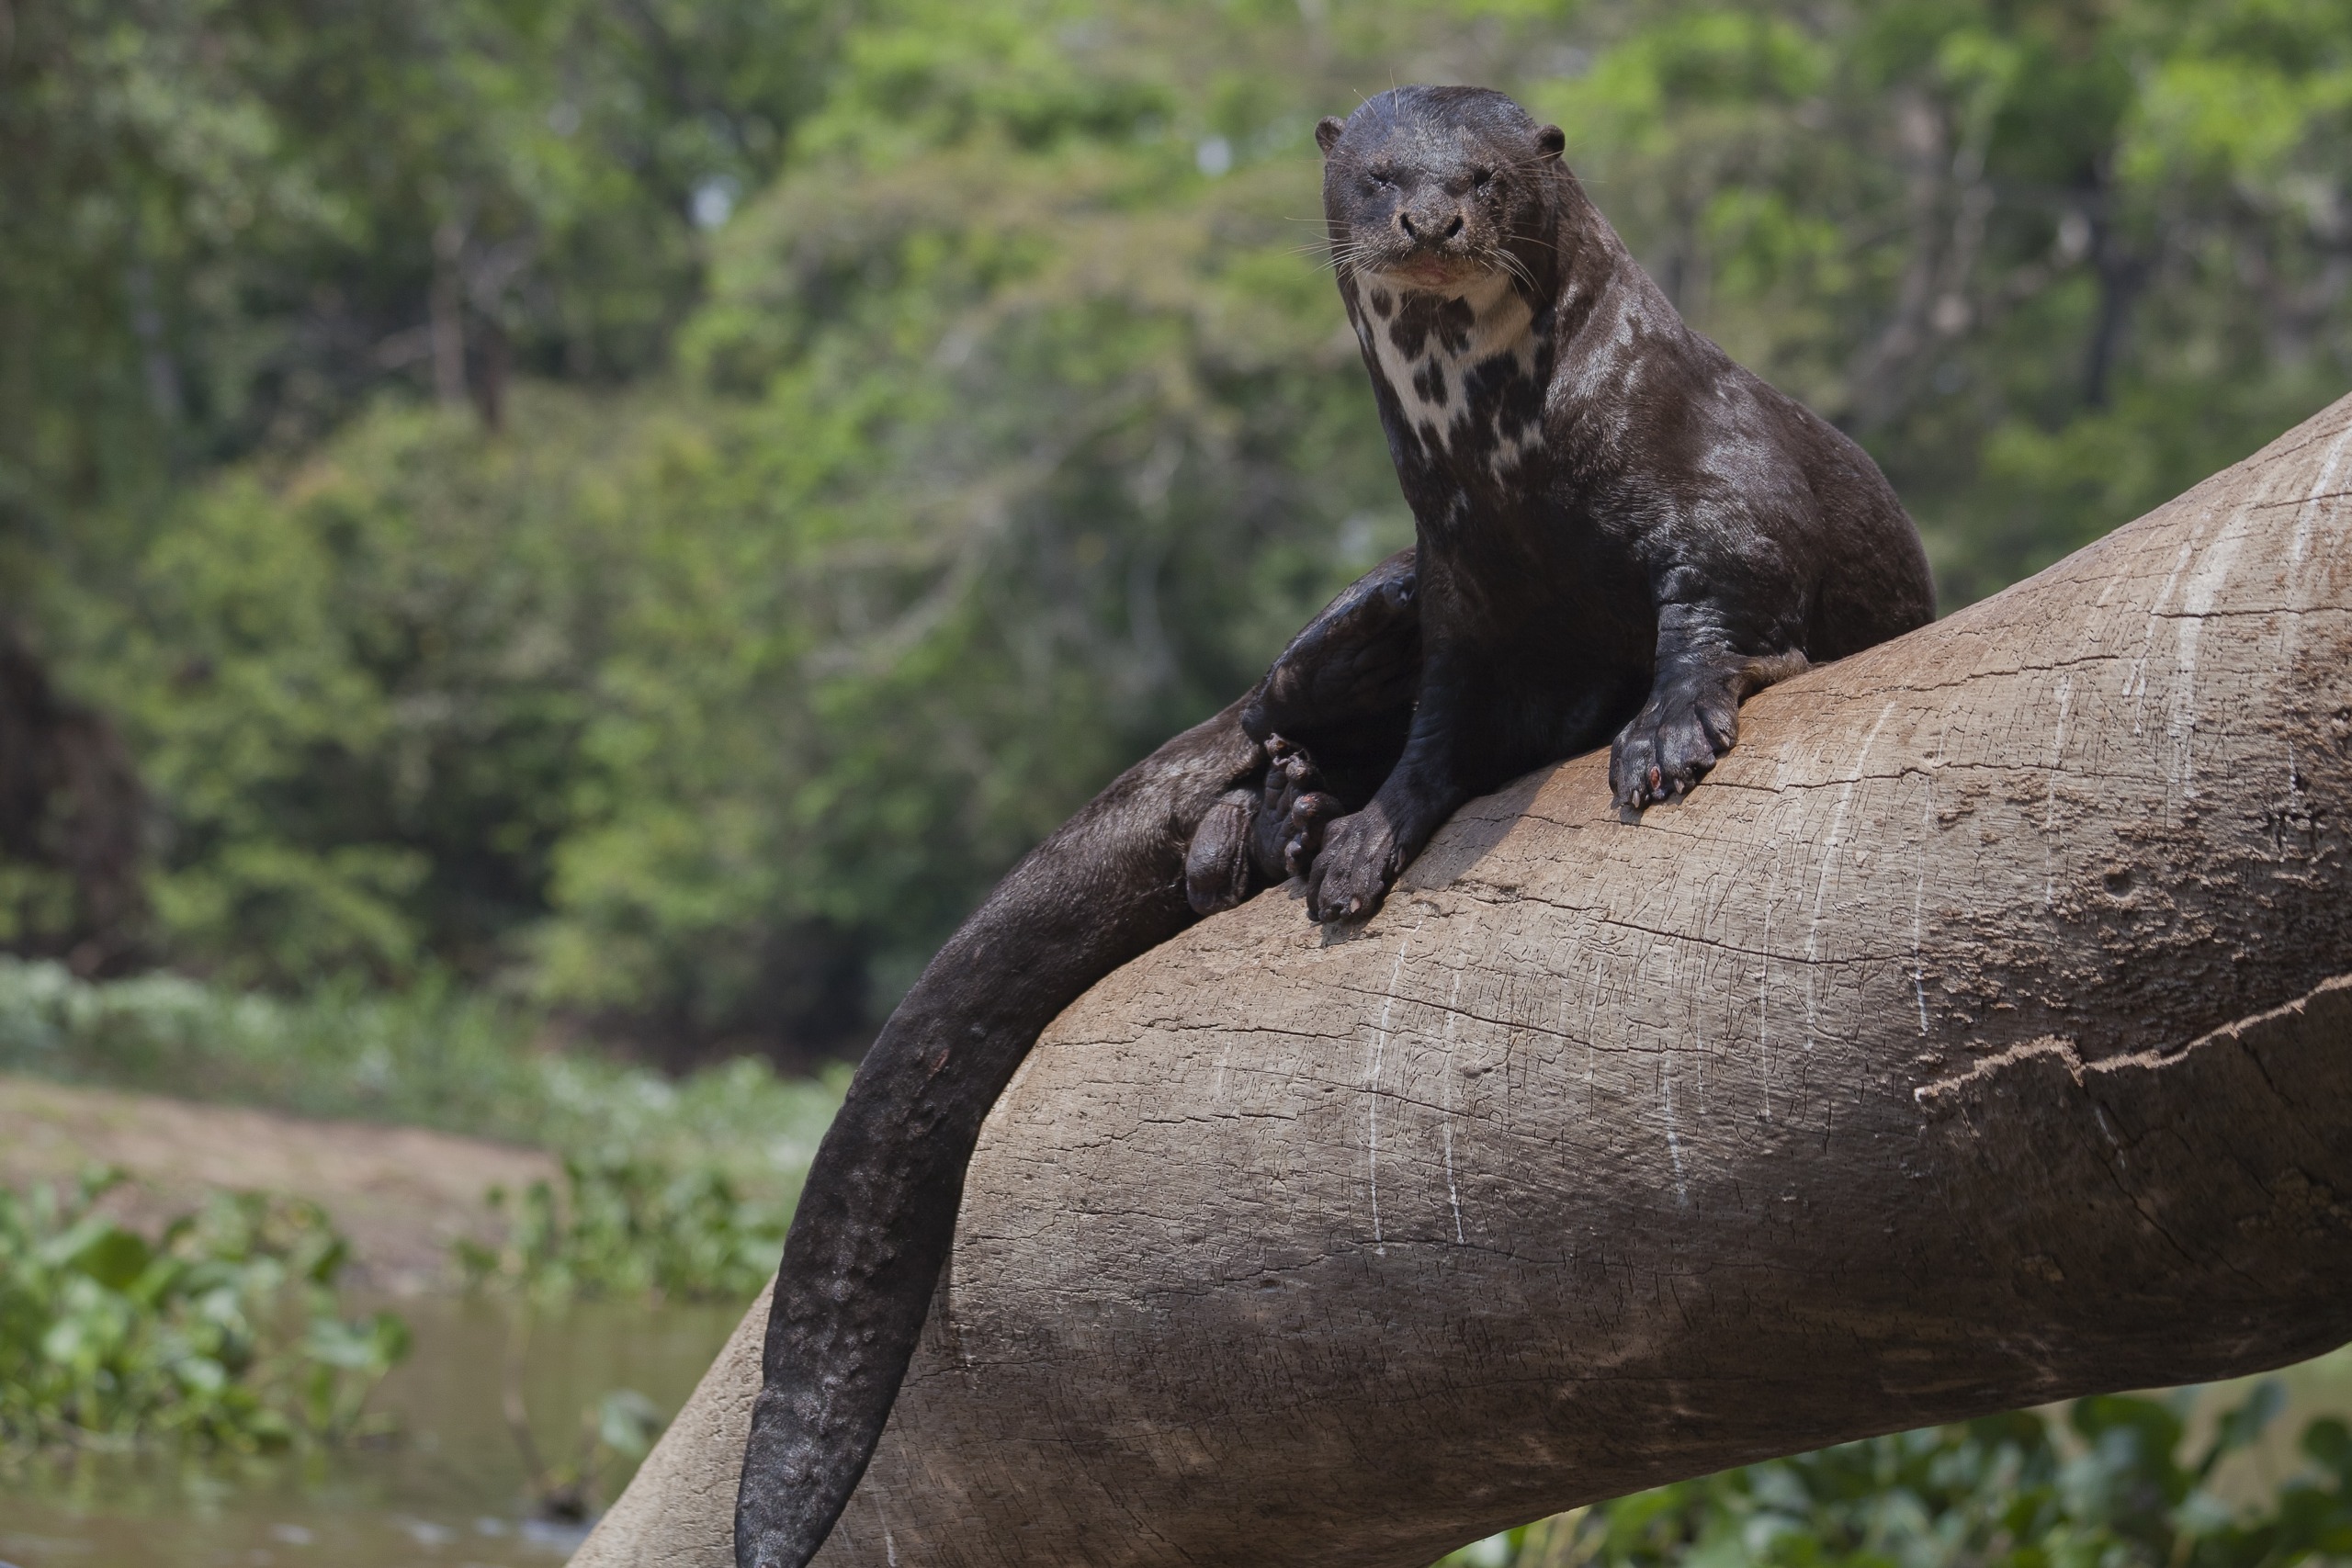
(1621, 532)
(1616, 524)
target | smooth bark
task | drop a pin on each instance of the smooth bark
(1978, 1034)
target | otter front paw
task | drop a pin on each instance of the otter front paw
(1672, 742)
(1359, 861)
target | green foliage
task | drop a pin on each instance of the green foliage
(2107, 1487)
(223, 1330)
(433, 1056)
(671, 1188)
(2053, 261)
(631, 1226)
(363, 688)
(1028, 455)
(222, 222)
(993, 420)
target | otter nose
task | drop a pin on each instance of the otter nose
(1430, 228)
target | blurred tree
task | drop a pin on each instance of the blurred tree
(1035, 446)
(360, 680)
(226, 224)
(888, 420)
(223, 222)
(2054, 261)
(70, 820)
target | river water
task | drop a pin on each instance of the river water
(449, 1489)
(452, 1490)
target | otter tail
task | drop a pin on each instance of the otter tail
(876, 1217)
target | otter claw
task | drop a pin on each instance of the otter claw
(1294, 856)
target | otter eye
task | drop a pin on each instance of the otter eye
(1382, 177)
(1479, 177)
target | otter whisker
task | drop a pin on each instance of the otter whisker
(1518, 269)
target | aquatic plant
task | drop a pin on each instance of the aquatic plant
(674, 1187)
(628, 1225)
(2103, 1485)
(617, 1429)
(223, 1329)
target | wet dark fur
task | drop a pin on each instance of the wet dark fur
(1196, 826)
(1622, 533)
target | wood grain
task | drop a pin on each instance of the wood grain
(1976, 1035)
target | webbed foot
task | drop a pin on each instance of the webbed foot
(1217, 860)
(1252, 838)
(1296, 807)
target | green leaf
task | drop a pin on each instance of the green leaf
(103, 1251)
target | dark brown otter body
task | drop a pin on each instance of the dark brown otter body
(1195, 827)
(1622, 533)
(1616, 524)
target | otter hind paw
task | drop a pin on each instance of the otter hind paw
(1216, 862)
(1302, 830)
(1295, 807)
(1254, 837)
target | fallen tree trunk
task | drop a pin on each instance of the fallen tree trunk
(1980, 1033)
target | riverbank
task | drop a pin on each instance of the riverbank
(404, 1196)
(435, 1056)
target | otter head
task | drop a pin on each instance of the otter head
(1431, 189)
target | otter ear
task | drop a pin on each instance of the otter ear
(1327, 132)
(1551, 142)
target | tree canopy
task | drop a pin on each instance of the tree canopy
(654, 503)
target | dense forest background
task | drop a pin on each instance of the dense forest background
(645, 507)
